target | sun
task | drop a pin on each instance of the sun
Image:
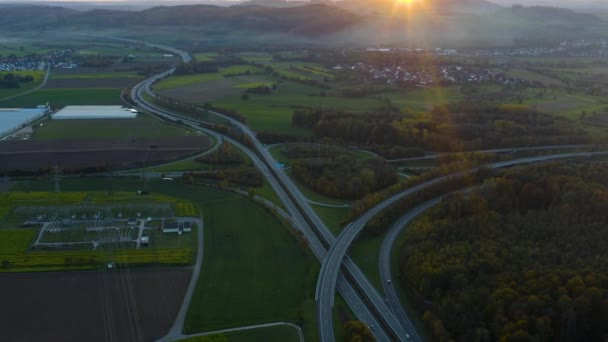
(407, 2)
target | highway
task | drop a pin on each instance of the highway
(385, 266)
(351, 296)
(364, 300)
(495, 150)
(337, 253)
(344, 287)
(312, 231)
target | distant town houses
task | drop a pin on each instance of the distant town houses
(576, 48)
(61, 59)
(573, 48)
(424, 76)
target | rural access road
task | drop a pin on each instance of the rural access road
(336, 255)
(250, 327)
(175, 333)
(495, 150)
(40, 86)
(202, 154)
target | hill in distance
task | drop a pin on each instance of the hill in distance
(445, 23)
(305, 20)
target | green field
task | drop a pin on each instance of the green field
(273, 112)
(281, 333)
(533, 76)
(184, 165)
(140, 127)
(86, 75)
(332, 217)
(252, 85)
(21, 48)
(64, 97)
(185, 80)
(365, 252)
(38, 77)
(253, 271)
(423, 99)
(15, 240)
(205, 56)
(173, 82)
(562, 103)
(259, 57)
(240, 70)
(552, 101)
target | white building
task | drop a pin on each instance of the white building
(12, 119)
(94, 112)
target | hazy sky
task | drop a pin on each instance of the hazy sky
(555, 3)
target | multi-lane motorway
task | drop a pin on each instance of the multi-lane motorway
(333, 262)
(348, 292)
(390, 323)
(303, 216)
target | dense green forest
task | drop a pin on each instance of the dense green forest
(522, 258)
(344, 176)
(225, 154)
(452, 128)
(11, 80)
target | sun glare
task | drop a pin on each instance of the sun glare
(407, 2)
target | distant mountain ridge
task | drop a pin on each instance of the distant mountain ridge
(552, 13)
(310, 19)
(461, 21)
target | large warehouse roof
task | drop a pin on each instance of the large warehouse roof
(94, 112)
(13, 118)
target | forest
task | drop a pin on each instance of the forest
(206, 67)
(450, 128)
(225, 154)
(521, 258)
(11, 80)
(344, 176)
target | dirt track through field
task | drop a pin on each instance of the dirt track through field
(69, 306)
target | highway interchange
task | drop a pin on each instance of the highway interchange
(338, 272)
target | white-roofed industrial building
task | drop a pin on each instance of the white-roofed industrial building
(12, 119)
(94, 112)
